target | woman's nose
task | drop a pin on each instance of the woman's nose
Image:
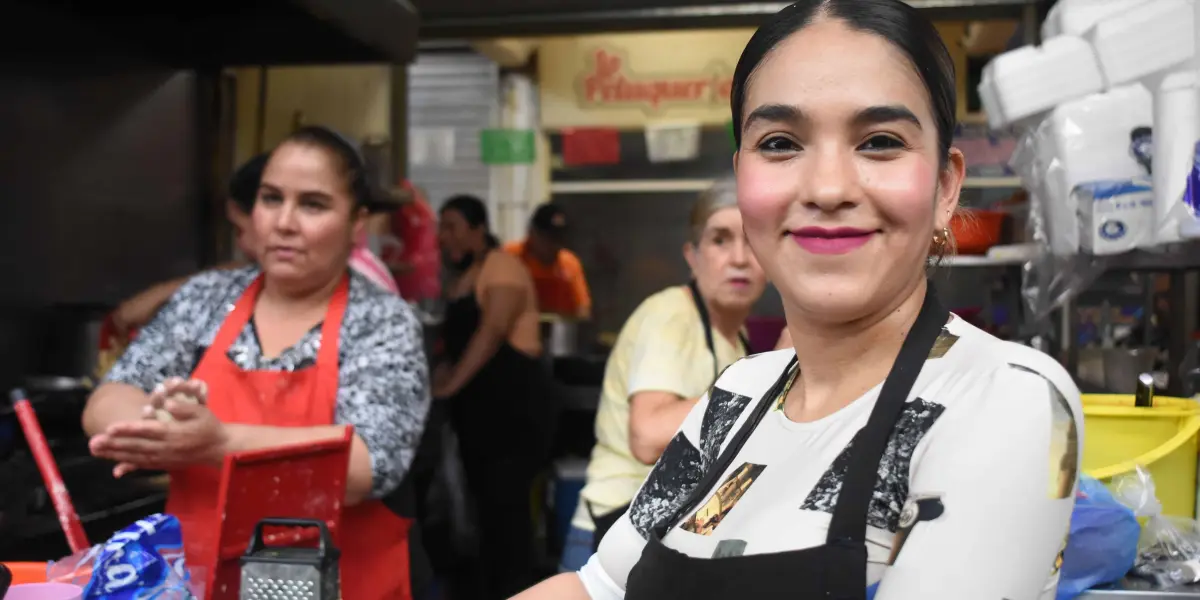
(285, 219)
(741, 252)
(831, 181)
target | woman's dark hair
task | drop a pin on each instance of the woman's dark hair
(353, 166)
(243, 186)
(474, 212)
(892, 20)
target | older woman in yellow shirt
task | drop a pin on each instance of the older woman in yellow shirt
(667, 355)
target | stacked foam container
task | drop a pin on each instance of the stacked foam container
(1104, 69)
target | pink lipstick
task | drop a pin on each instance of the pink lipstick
(837, 240)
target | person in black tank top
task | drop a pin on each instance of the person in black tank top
(504, 412)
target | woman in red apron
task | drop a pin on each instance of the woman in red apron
(288, 351)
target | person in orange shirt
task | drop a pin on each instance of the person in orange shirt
(561, 286)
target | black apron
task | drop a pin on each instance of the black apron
(605, 522)
(834, 571)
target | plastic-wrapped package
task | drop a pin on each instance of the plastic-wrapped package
(143, 561)
(1050, 278)
(1025, 82)
(1114, 216)
(1145, 43)
(1169, 547)
(1084, 140)
(1076, 17)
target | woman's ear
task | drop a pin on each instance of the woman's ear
(689, 254)
(359, 226)
(950, 180)
(235, 214)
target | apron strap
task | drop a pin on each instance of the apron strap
(706, 324)
(848, 525)
(243, 310)
(717, 469)
(327, 355)
(233, 325)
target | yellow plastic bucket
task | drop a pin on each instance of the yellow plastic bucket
(1119, 436)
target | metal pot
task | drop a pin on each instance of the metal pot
(1122, 366)
(59, 402)
(48, 384)
(560, 336)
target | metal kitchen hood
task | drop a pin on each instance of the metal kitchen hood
(221, 33)
(466, 19)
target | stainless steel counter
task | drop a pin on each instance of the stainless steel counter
(1136, 590)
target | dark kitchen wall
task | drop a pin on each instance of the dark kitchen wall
(98, 186)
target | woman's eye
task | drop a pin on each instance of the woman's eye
(313, 205)
(778, 144)
(878, 143)
(270, 198)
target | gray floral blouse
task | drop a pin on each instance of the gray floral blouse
(382, 373)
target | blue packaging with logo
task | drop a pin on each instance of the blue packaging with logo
(143, 561)
(1190, 225)
(1115, 216)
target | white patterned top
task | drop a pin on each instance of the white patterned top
(992, 429)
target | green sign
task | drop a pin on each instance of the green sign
(507, 146)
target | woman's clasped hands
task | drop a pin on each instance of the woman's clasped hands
(176, 430)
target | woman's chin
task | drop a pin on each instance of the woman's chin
(828, 302)
(285, 271)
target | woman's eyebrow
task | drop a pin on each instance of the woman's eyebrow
(775, 113)
(794, 115)
(875, 115)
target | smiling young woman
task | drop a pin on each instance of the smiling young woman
(896, 450)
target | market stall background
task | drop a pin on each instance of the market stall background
(121, 134)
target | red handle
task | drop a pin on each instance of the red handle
(67, 517)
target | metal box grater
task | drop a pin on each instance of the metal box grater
(289, 573)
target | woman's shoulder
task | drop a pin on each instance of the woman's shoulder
(376, 305)
(214, 285)
(754, 375)
(668, 304)
(1006, 371)
(502, 267)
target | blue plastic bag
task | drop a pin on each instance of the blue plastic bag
(143, 561)
(1103, 542)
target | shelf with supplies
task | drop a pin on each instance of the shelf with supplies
(997, 256)
(975, 183)
(1181, 256)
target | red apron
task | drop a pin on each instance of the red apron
(374, 540)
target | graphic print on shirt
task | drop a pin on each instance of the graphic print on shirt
(891, 488)
(706, 518)
(679, 469)
(944, 343)
(675, 475)
(782, 399)
(722, 412)
(1064, 443)
(1064, 448)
